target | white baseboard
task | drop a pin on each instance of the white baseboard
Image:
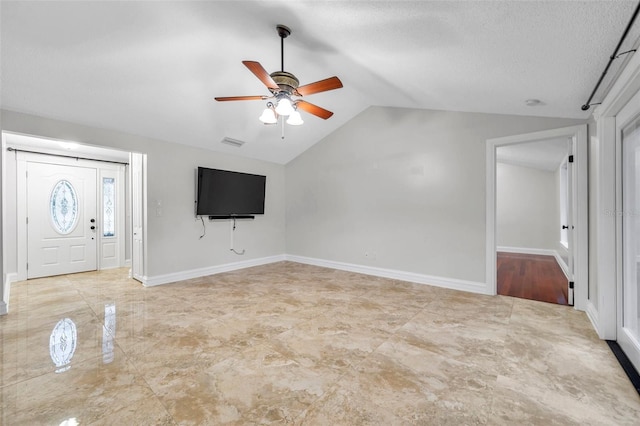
(4, 303)
(211, 270)
(526, 250)
(563, 265)
(592, 314)
(127, 263)
(450, 283)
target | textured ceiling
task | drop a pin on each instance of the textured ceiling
(153, 68)
(543, 155)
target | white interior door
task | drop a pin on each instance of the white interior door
(628, 334)
(61, 219)
(571, 208)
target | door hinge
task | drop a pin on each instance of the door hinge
(571, 285)
(27, 266)
(571, 158)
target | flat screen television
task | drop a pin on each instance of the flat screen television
(224, 193)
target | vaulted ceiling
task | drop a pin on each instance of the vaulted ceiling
(153, 68)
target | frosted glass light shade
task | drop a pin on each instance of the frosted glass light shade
(284, 107)
(295, 119)
(268, 116)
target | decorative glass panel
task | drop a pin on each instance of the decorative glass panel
(62, 344)
(64, 207)
(108, 333)
(108, 205)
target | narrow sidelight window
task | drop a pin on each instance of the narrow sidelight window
(108, 207)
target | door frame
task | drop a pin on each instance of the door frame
(629, 114)
(581, 242)
(10, 241)
(21, 182)
(605, 192)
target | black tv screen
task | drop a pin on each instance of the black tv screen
(227, 193)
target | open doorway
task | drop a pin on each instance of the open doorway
(533, 206)
(539, 234)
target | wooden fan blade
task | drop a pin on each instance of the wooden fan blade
(330, 83)
(314, 109)
(261, 73)
(241, 98)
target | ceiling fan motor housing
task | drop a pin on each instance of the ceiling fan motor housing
(286, 81)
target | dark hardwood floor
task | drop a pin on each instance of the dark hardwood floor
(531, 276)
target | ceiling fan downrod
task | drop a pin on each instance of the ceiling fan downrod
(283, 32)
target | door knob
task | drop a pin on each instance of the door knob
(565, 227)
(92, 221)
(93, 227)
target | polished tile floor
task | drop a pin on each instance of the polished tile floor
(295, 344)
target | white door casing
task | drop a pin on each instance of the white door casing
(580, 213)
(571, 208)
(61, 219)
(611, 115)
(628, 230)
(110, 250)
(138, 217)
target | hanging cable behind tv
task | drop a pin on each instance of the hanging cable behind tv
(233, 229)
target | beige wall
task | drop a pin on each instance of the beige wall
(401, 189)
(526, 207)
(173, 238)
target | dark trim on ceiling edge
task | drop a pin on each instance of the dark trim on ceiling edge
(626, 365)
(73, 157)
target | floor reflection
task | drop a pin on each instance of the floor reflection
(298, 344)
(108, 332)
(62, 344)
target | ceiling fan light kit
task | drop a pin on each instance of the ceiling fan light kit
(269, 115)
(285, 90)
(295, 119)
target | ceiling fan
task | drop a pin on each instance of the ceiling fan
(285, 90)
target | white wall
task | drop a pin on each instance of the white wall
(593, 215)
(173, 238)
(526, 207)
(3, 290)
(404, 186)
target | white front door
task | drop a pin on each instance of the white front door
(61, 219)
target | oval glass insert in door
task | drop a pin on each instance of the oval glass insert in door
(64, 207)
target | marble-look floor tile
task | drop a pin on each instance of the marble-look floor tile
(27, 345)
(421, 387)
(87, 392)
(258, 385)
(330, 343)
(343, 407)
(288, 343)
(145, 412)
